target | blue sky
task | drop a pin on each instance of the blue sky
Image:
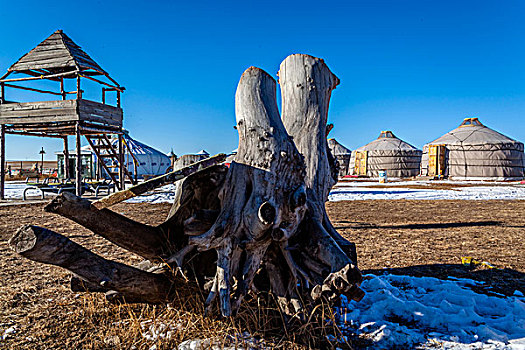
(415, 67)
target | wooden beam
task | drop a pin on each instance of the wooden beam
(151, 184)
(5, 75)
(118, 88)
(135, 160)
(114, 82)
(66, 159)
(27, 133)
(79, 91)
(100, 160)
(2, 93)
(39, 78)
(121, 161)
(32, 89)
(62, 92)
(78, 168)
(38, 73)
(2, 162)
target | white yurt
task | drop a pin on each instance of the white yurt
(386, 153)
(473, 151)
(341, 154)
(149, 161)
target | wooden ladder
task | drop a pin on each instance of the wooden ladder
(101, 145)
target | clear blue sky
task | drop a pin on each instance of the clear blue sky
(415, 67)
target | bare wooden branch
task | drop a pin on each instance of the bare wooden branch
(48, 247)
(151, 184)
(144, 240)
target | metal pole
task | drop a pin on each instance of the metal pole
(2, 162)
(78, 174)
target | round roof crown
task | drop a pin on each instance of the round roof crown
(386, 135)
(471, 122)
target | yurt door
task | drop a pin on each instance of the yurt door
(361, 158)
(436, 160)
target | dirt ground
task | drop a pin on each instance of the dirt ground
(406, 237)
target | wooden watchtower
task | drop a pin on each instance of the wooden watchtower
(58, 59)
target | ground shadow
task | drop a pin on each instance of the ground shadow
(437, 225)
(498, 282)
(373, 192)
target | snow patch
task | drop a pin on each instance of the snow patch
(242, 341)
(14, 190)
(164, 194)
(408, 311)
(360, 191)
(8, 332)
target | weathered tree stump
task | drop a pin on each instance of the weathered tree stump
(259, 225)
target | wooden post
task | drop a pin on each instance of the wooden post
(118, 99)
(2, 162)
(62, 88)
(104, 95)
(2, 93)
(67, 175)
(121, 162)
(79, 91)
(78, 173)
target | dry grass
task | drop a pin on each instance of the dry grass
(37, 299)
(413, 237)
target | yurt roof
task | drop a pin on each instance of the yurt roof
(387, 141)
(203, 152)
(139, 148)
(472, 132)
(338, 149)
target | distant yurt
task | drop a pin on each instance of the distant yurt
(150, 161)
(341, 154)
(473, 151)
(231, 156)
(386, 153)
(146, 160)
(191, 158)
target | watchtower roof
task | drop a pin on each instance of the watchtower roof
(58, 54)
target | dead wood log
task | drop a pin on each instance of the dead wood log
(262, 195)
(151, 184)
(143, 240)
(306, 87)
(259, 225)
(48, 247)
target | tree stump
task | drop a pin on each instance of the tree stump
(258, 226)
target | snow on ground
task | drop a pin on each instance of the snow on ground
(15, 190)
(353, 190)
(348, 191)
(164, 194)
(392, 190)
(432, 313)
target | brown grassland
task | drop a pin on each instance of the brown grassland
(407, 237)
